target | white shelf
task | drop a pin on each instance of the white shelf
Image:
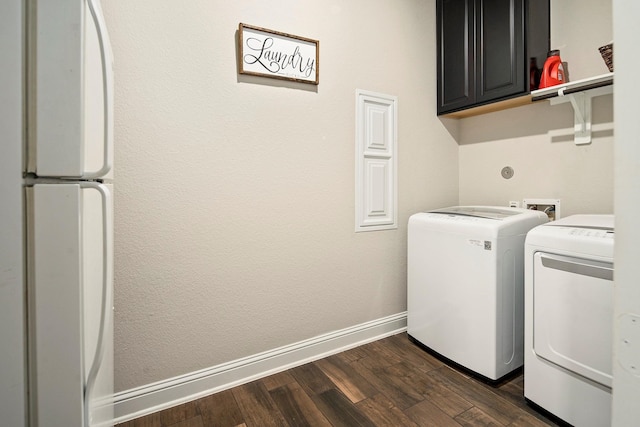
(579, 94)
(602, 80)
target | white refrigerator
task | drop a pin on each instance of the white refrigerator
(68, 213)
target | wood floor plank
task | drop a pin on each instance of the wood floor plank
(448, 401)
(444, 398)
(383, 412)
(517, 381)
(152, 420)
(426, 414)
(297, 407)
(489, 402)
(220, 410)
(312, 379)
(189, 422)
(407, 351)
(406, 378)
(340, 411)
(387, 385)
(475, 417)
(278, 380)
(379, 355)
(513, 391)
(352, 354)
(346, 379)
(527, 419)
(256, 405)
(178, 413)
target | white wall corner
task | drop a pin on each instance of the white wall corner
(150, 398)
(376, 161)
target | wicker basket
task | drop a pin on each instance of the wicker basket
(607, 54)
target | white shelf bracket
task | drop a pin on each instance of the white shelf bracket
(581, 103)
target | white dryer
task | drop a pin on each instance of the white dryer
(465, 280)
(569, 318)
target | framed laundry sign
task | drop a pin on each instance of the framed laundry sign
(278, 55)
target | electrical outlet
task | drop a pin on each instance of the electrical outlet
(514, 204)
(549, 206)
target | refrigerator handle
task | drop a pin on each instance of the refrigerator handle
(107, 289)
(106, 57)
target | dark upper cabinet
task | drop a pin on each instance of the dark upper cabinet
(484, 48)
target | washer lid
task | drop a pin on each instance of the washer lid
(487, 212)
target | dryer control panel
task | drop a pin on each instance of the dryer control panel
(591, 232)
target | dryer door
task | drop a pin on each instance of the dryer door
(573, 314)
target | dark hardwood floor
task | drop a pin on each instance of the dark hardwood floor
(390, 382)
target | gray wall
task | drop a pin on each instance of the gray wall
(235, 196)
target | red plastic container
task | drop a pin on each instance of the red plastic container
(552, 72)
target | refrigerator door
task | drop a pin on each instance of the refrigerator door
(71, 104)
(70, 275)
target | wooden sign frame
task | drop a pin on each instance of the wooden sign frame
(277, 55)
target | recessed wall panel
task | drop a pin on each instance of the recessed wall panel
(376, 162)
(377, 134)
(376, 201)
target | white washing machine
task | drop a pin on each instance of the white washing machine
(465, 285)
(569, 318)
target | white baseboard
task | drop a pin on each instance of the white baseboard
(151, 398)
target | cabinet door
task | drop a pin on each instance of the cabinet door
(456, 76)
(500, 67)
